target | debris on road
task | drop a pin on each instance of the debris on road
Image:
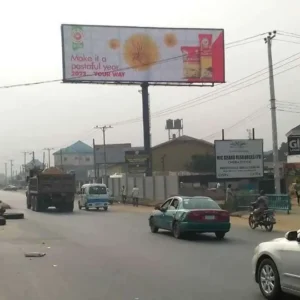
(4, 205)
(13, 216)
(2, 221)
(35, 254)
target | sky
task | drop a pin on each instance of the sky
(56, 115)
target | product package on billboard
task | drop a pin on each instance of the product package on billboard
(191, 62)
(115, 54)
(206, 58)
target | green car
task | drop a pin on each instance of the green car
(182, 215)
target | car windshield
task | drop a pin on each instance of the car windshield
(199, 203)
(97, 190)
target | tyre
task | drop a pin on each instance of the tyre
(251, 222)
(176, 231)
(13, 216)
(2, 221)
(220, 235)
(153, 228)
(268, 280)
(79, 206)
(105, 208)
(39, 204)
(97, 208)
(33, 203)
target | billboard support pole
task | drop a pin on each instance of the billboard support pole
(146, 125)
(253, 133)
(268, 41)
(223, 135)
(95, 168)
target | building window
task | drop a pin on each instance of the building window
(87, 159)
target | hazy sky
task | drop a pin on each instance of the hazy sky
(56, 114)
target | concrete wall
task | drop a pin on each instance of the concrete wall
(156, 188)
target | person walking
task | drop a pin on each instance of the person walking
(297, 191)
(135, 196)
(124, 196)
(229, 198)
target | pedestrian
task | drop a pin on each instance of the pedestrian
(229, 198)
(297, 191)
(135, 196)
(124, 196)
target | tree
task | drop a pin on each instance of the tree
(202, 163)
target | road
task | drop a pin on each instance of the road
(113, 256)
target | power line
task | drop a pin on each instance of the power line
(227, 46)
(286, 41)
(194, 102)
(290, 34)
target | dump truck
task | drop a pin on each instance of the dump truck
(50, 188)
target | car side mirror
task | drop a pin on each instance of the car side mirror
(163, 209)
(292, 235)
(157, 207)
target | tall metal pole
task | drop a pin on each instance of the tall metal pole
(11, 169)
(5, 165)
(268, 41)
(104, 128)
(49, 156)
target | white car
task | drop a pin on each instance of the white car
(276, 266)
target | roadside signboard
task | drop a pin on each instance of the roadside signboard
(293, 145)
(137, 161)
(239, 158)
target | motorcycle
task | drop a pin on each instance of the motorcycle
(267, 219)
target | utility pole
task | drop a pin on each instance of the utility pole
(25, 156)
(33, 158)
(268, 41)
(104, 128)
(5, 166)
(49, 156)
(11, 170)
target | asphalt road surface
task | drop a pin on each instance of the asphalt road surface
(113, 256)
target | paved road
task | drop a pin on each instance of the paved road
(113, 256)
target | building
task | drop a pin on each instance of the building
(171, 156)
(175, 155)
(293, 158)
(78, 158)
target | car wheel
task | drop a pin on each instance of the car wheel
(220, 235)
(176, 231)
(153, 228)
(268, 280)
(2, 221)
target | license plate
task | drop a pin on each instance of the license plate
(209, 217)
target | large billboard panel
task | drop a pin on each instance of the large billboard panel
(137, 161)
(115, 54)
(239, 159)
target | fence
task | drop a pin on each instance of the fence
(156, 188)
(276, 202)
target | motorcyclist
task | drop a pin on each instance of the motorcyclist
(261, 204)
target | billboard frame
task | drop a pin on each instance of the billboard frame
(239, 178)
(155, 83)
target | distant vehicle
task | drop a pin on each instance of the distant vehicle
(10, 188)
(185, 215)
(276, 267)
(94, 195)
(50, 188)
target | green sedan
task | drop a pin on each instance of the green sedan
(182, 215)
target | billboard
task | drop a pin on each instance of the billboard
(239, 158)
(137, 161)
(115, 54)
(294, 145)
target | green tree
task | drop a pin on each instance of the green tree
(202, 163)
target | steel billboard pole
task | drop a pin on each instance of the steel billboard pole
(268, 41)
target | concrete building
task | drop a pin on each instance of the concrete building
(78, 158)
(173, 155)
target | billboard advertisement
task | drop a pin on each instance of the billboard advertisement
(293, 145)
(114, 54)
(239, 158)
